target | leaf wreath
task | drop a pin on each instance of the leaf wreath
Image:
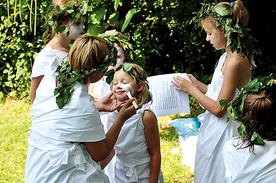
(237, 37)
(126, 68)
(115, 36)
(74, 11)
(67, 78)
(235, 109)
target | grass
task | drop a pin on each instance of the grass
(14, 125)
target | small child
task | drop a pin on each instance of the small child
(251, 156)
(137, 149)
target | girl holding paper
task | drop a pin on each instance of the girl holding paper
(226, 29)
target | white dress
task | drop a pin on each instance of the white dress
(243, 166)
(131, 150)
(46, 60)
(55, 153)
(213, 133)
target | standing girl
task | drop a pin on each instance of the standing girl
(58, 47)
(226, 27)
(137, 149)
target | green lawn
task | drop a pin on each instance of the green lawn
(15, 122)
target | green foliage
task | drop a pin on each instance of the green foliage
(17, 49)
(235, 109)
(163, 35)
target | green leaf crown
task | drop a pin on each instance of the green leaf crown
(235, 109)
(67, 76)
(123, 39)
(237, 37)
(126, 68)
(71, 10)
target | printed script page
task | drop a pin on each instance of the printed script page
(166, 99)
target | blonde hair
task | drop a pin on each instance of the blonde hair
(139, 75)
(88, 52)
(237, 12)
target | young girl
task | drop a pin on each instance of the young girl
(225, 26)
(124, 54)
(137, 149)
(67, 139)
(251, 156)
(56, 49)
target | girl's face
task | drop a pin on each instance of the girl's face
(214, 35)
(120, 55)
(75, 29)
(122, 78)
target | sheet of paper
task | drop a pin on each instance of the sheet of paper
(166, 99)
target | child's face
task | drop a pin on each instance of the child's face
(214, 35)
(75, 29)
(121, 77)
(120, 55)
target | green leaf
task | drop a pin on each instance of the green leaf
(223, 103)
(257, 139)
(127, 68)
(129, 16)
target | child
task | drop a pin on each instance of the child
(225, 26)
(137, 149)
(251, 156)
(57, 48)
(124, 54)
(67, 139)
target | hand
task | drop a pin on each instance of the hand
(128, 109)
(182, 84)
(108, 104)
(192, 79)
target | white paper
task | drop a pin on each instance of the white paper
(166, 99)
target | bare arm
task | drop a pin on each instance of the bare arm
(101, 149)
(34, 85)
(153, 141)
(107, 159)
(233, 71)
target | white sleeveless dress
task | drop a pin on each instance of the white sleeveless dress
(213, 133)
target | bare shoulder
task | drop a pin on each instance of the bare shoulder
(149, 117)
(239, 69)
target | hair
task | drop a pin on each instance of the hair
(88, 52)
(238, 13)
(259, 116)
(139, 75)
(239, 16)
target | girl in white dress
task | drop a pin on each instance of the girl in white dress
(67, 139)
(251, 157)
(137, 149)
(56, 50)
(225, 26)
